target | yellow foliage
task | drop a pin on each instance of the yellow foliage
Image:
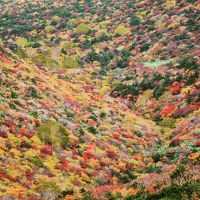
(186, 90)
(33, 33)
(50, 162)
(49, 28)
(14, 140)
(122, 30)
(30, 153)
(15, 152)
(1, 42)
(36, 140)
(56, 19)
(104, 90)
(13, 172)
(3, 188)
(196, 112)
(100, 33)
(159, 24)
(15, 191)
(170, 3)
(85, 177)
(66, 45)
(70, 61)
(82, 28)
(122, 165)
(22, 42)
(143, 14)
(2, 152)
(26, 74)
(103, 24)
(144, 98)
(83, 97)
(73, 22)
(99, 151)
(194, 156)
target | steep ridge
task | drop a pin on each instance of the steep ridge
(99, 100)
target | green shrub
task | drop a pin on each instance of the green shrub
(177, 192)
(158, 91)
(92, 129)
(179, 171)
(153, 169)
(135, 21)
(92, 56)
(145, 47)
(37, 161)
(191, 79)
(66, 192)
(156, 157)
(86, 195)
(187, 63)
(14, 95)
(70, 61)
(33, 92)
(102, 114)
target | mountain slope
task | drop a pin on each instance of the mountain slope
(99, 99)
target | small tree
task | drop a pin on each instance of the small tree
(48, 190)
(54, 134)
(70, 61)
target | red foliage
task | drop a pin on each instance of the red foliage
(9, 123)
(100, 190)
(116, 136)
(2, 174)
(64, 165)
(5, 60)
(13, 70)
(197, 144)
(182, 112)
(194, 92)
(87, 155)
(46, 149)
(34, 146)
(167, 111)
(176, 139)
(151, 103)
(29, 175)
(24, 132)
(111, 153)
(175, 89)
(195, 105)
(171, 151)
(3, 134)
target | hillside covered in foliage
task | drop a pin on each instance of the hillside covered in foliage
(99, 100)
